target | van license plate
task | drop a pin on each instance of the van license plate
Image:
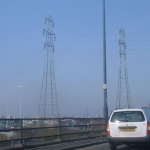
(127, 130)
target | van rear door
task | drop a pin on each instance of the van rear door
(128, 124)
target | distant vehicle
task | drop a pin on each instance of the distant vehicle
(128, 126)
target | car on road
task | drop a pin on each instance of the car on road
(128, 126)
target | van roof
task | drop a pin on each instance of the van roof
(130, 109)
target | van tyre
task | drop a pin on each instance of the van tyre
(113, 146)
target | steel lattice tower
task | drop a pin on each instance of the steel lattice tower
(48, 106)
(123, 92)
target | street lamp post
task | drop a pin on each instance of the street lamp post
(21, 86)
(7, 107)
(104, 65)
(7, 114)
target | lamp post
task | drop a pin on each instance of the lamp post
(7, 114)
(21, 86)
(7, 107)
(105, 109)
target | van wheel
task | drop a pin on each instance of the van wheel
(113, 146)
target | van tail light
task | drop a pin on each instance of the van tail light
(148, 127)
(108, 129)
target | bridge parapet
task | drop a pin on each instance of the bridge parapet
(49, 130)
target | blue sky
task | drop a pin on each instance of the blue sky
(78, 53)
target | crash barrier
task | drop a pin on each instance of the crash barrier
(34, 131)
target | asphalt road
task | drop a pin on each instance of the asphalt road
(122, 147)
(99, 147)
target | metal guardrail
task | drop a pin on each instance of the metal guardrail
(40, 131)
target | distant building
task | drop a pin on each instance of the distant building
(2, 116)
(9, 117)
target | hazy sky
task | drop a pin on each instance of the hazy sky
(78, 53)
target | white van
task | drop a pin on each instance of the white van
(128, 126)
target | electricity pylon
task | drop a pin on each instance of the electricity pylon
(123, 92)
(48, 105)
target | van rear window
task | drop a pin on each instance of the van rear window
(128, 116)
